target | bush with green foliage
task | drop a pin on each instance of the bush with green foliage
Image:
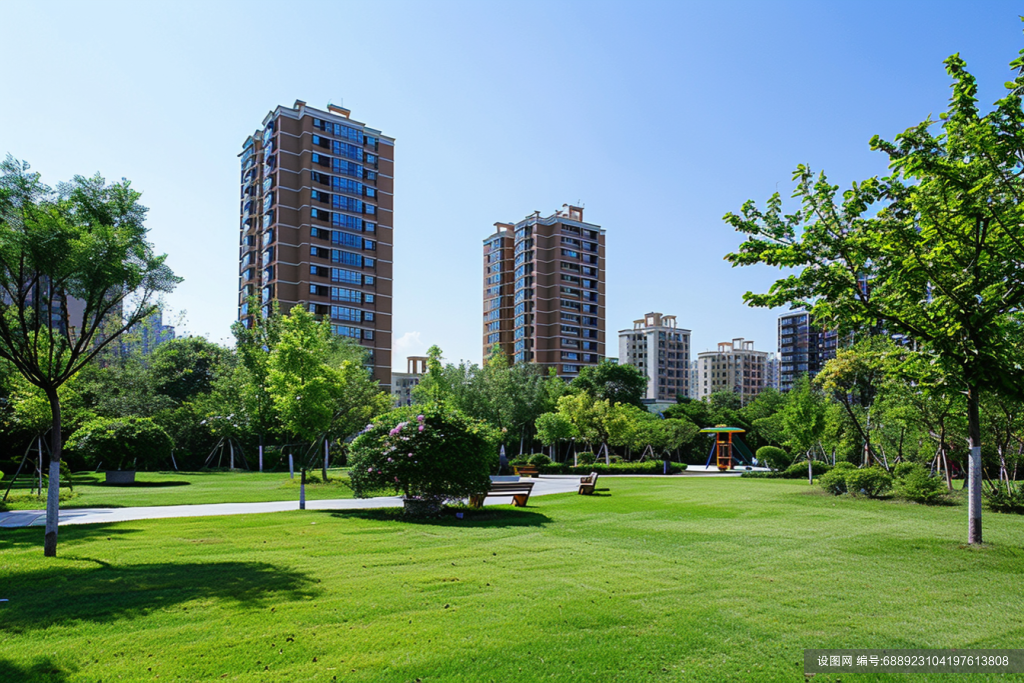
(646, 467)
(586, 458)
(430, 452)
(903, 468)
(798, 470)
(1002, 500)
(913, 482)
(774, 457)
(871, 481)
(538, 459)
(834, 481)
(123, 443)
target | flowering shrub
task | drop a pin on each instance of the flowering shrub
(430, 452)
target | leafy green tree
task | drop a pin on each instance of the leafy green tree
(933, 251)
(71, 262)
(612, 382)
(552, 429)
(509, 397)
(804, 418)
(186, 367)
(253, 345)
(317, 380)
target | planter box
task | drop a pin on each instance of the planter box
(120, 476)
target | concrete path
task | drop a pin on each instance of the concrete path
(23, 518)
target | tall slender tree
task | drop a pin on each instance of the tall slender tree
(934, 251)
(76, 271)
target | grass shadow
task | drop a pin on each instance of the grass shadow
(41, 669)
(487, 517)
(99, 592)
(27, 537)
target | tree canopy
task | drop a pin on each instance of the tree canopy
(934, 251)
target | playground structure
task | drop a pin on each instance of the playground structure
(726, 449)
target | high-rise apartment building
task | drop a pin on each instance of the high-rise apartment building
(317, 222)
(499, 258)
(661, 351)
(735, 367)
(556, 316)
(803, 347)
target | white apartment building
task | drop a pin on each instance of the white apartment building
(661, 351)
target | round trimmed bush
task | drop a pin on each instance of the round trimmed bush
(539, 459)
(123, 443)
(586, 458)
(871, 481)
(834, 482)
(431, 453)
(774, 457)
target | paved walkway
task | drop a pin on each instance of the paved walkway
(23, 518)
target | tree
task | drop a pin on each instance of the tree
(253, 344)
(186, 367)
(553, 428)
(804, 418)
(934, 251)
(76, 271)
(509, 397)
(317, 380)
(613, 382)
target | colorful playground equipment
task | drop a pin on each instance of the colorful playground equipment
(725, 447)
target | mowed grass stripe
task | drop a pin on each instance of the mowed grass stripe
(657, 579)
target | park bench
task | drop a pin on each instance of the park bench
(518, 490)
(588, 483)
(526, 470)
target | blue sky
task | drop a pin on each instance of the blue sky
(659, 116)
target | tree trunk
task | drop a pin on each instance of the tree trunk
(53, 487)
(327, 454)
(974, 469)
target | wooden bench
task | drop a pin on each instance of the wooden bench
(519, 490)
(588, 483)
(526, 470)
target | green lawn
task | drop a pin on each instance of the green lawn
(681, 579)
(186, 488)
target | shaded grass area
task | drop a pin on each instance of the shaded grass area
(682, 579)
(184, 488)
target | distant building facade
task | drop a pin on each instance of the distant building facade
(735, 367)
(544, 291)
(661, 352)
(403, 382)
(804, 348)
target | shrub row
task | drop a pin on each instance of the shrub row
(910, 481)
(646, 467)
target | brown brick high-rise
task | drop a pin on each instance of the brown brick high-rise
(544, 291)
(317, 222)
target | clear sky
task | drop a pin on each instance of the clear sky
(658, 116)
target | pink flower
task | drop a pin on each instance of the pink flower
(421, 418)
(421, 428)
(369, 469)
(410, 455)
(390, 460)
